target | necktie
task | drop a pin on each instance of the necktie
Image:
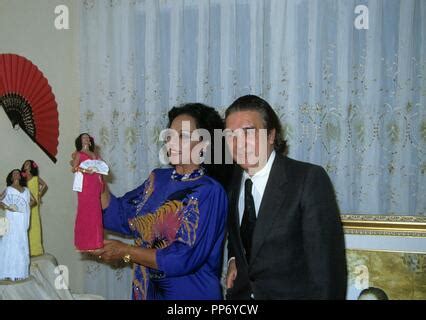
(249, 219)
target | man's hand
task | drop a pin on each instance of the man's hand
(231, 274)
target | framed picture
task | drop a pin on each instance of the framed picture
(381, 275)
(367, 224)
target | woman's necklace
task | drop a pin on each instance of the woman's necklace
(197, 173)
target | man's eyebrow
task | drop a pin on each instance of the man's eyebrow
(248, 128)
(230, 131)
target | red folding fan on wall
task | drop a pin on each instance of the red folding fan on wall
(27, 99)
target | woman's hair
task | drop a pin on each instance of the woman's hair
(79, 145)
(270, 118)
(209, 119)
(9, 180)
(33, 168)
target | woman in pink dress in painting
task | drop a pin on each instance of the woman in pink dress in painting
(88, 229)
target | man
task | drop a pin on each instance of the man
(285, 234)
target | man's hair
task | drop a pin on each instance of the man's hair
(377, 292)
(269, 117)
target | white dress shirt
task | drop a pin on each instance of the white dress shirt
(259, 180)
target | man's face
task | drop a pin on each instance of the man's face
(368, 296)
(247, 139)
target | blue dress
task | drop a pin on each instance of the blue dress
(184, 218)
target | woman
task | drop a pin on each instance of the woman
(88, 229)
(177, 217)
(14, 252)
(38, 188)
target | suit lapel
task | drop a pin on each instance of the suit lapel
(274, 195)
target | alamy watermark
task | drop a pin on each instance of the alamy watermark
(361, 20)
(62, 19)
(62, 278)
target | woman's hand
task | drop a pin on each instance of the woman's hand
(113, 250)
(5, 207)
(42, 188)
(116, 250)
(80, 169)
(33, 201)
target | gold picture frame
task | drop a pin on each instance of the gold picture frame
(400, 275)
(367, 224)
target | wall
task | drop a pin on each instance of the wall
(27, 28)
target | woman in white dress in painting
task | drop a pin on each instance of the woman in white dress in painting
(16, 200)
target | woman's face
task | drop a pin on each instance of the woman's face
(178, 141)
(27, 165)
(16, 175)
(85, 140)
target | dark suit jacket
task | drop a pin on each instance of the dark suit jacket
(298, 247)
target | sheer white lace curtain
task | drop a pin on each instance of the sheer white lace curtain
(351, 100)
